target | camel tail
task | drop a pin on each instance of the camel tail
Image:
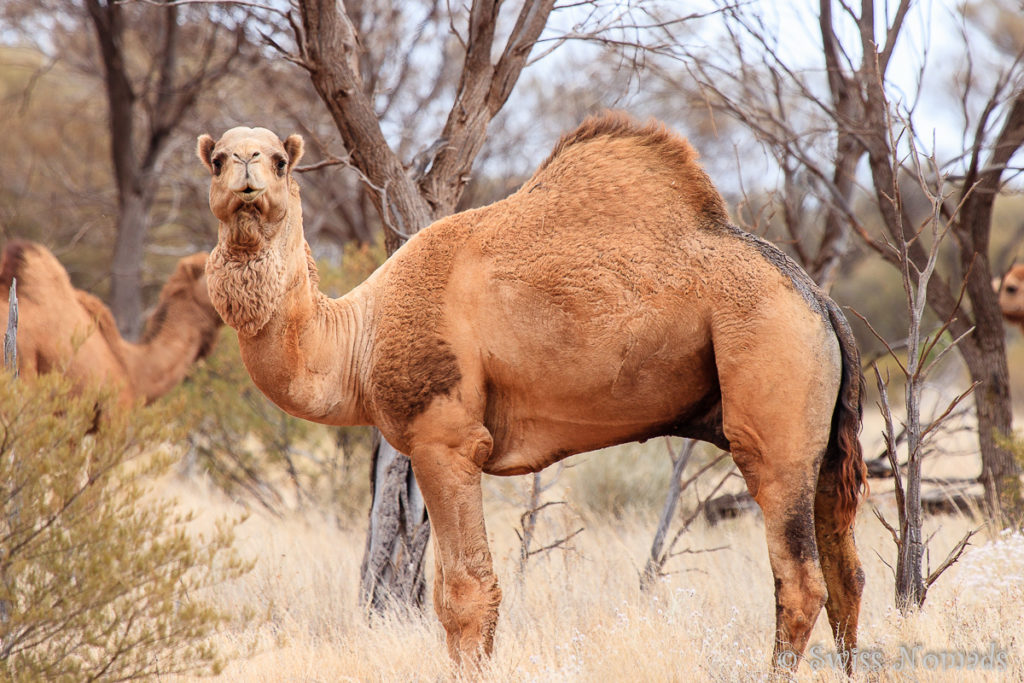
(844, 460)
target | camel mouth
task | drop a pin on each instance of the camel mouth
(249, 194)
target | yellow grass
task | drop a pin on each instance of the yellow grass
(580, 616)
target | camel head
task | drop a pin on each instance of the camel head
(250, 185)
(260, 246)
(1011, 294)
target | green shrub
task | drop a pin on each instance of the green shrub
(98, 578)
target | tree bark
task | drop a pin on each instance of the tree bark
(392, 574)
(11, 333)
(126, 264)
(1000, 472)
(132, 202)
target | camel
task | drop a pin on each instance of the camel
(1010, 288)
(608, 300)
(71, 331)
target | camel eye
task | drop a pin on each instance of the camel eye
(280, 164)
(1011, 289)
(217, 163)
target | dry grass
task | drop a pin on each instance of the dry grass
(580, 615)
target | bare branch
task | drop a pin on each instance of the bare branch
(892, 531)
(951, 558)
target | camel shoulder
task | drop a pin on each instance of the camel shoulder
(413, 361)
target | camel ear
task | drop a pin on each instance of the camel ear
(294, 147)
(205, 151)
(997, 284)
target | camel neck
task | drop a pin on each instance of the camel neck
(310, 356)
(176, 335)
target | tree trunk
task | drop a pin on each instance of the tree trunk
(1000, 472)
(11, 335)
(11, 364)
(126, 265)
(657, 558)
(165, 103)
(910, 588)
(392, 570)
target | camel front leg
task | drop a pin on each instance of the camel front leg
(466, 593)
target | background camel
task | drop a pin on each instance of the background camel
(1011, 295)
(71, 331)
(608, 300)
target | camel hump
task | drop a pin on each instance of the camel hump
(652, 143)
(33, 265)
(617, 124)
(16, 253)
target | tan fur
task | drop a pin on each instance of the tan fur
(63, 329)
(608, 300)
(1011, 295)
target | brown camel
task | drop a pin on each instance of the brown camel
(67, 330)
(1011, 294)
(608, 300)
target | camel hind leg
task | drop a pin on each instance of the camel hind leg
(777, 405)
(840, 565)
(780, 475)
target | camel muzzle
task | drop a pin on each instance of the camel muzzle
(249, 194)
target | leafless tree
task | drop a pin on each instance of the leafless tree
(11, 366)
(528, 521)
(11, 331)
(921, 358)
(819, 133)
(182, 61)
(660, 554)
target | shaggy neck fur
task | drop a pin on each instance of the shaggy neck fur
(246, 275)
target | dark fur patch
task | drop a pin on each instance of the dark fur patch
(156, 322)
(206, 341)
(412, 363)
(702, 421)
(430, 369)
(844, 456)
(799, 534)
(13, 261)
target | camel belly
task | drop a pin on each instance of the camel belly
(573, 412)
